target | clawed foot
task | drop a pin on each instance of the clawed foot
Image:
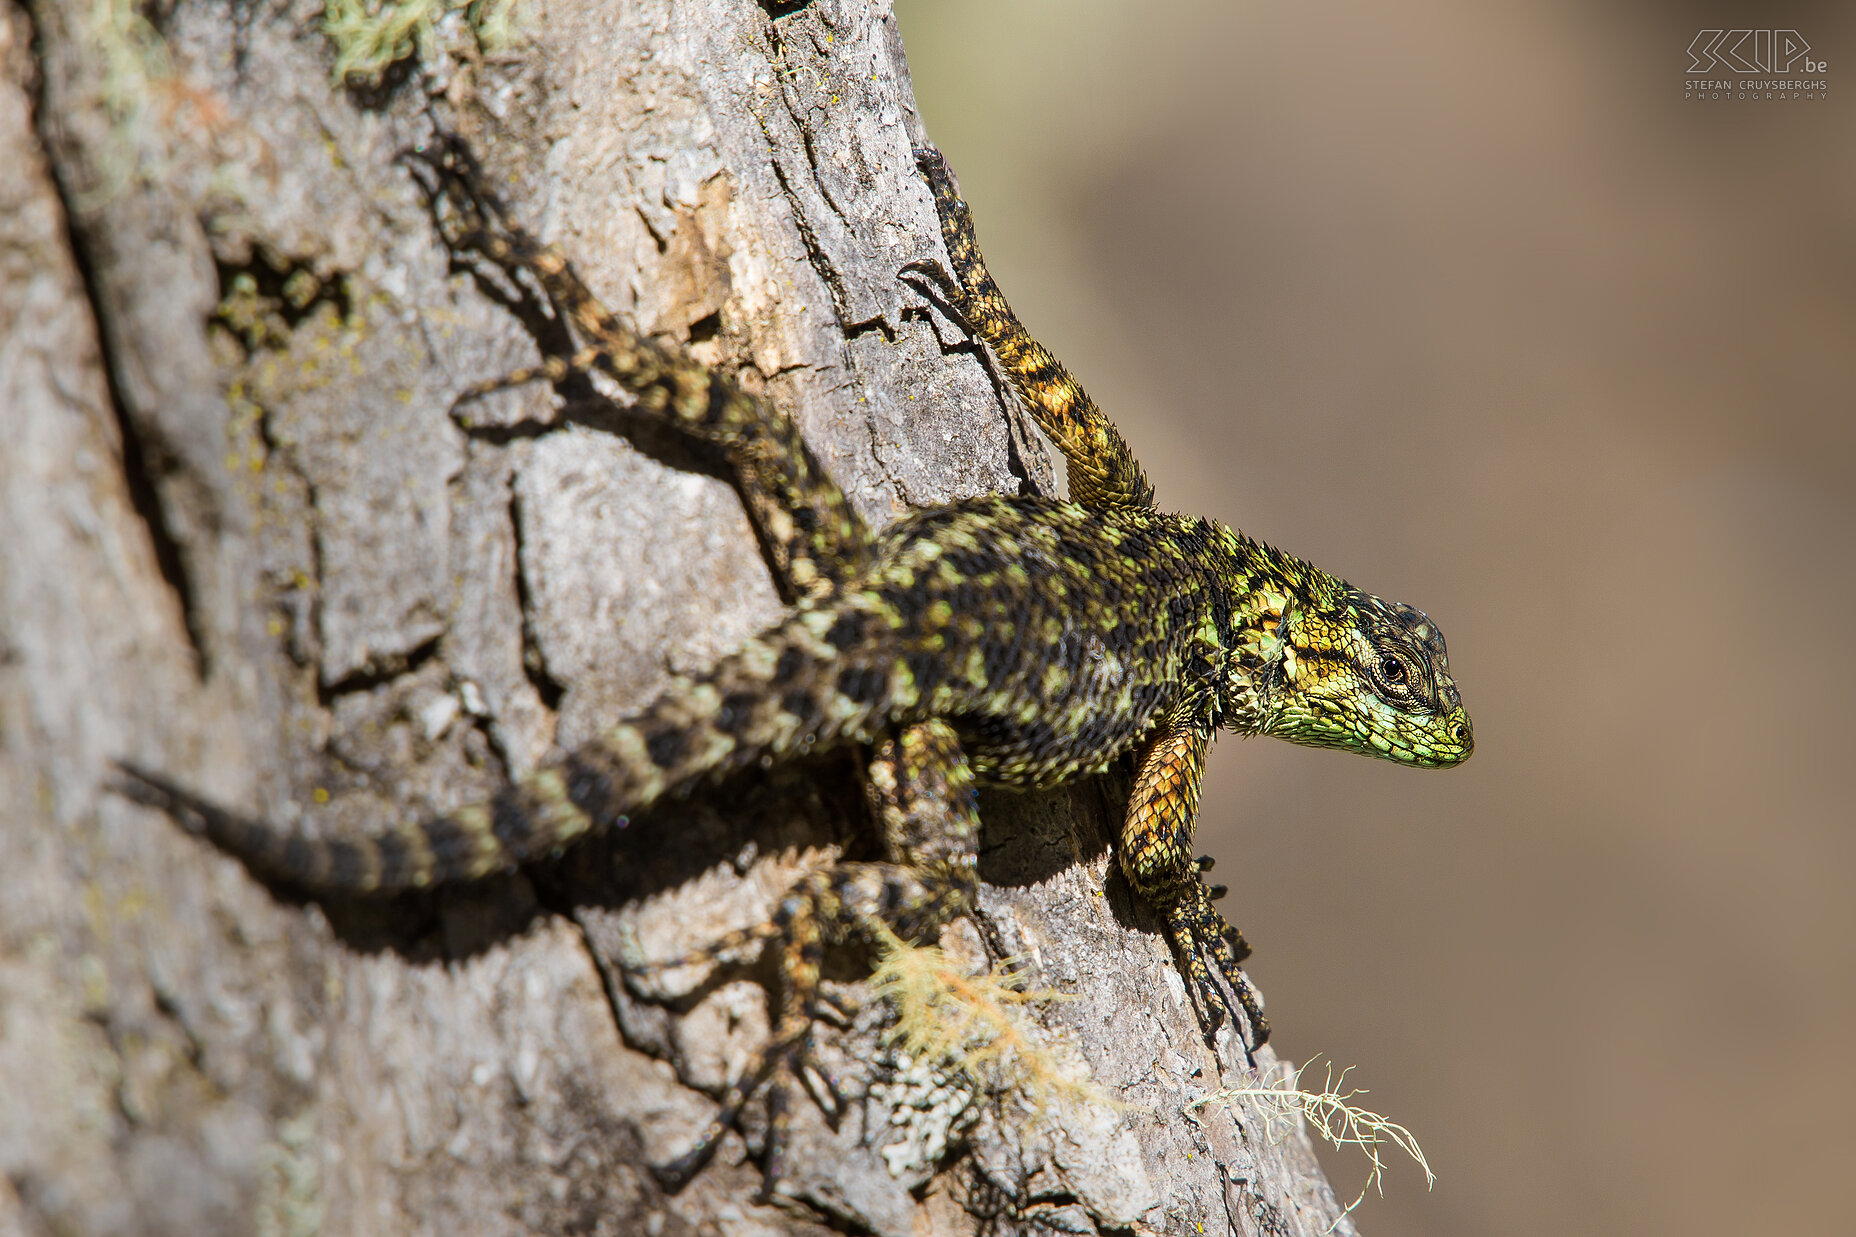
(932, 280)
(777, 1070)
(927, 275)
(798, 932)
(862, 898)
(1212, 952)
(448, 174)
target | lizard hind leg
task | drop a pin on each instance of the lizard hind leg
(842, 900)
(814, 537)
(922, 795)
(921, 791)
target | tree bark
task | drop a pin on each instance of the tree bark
(245, 540)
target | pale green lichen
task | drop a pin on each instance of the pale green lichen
(290, 1181)
(1281, 1100)
(132, 56)
(371, 35)
(131, 68)
(978, 1027)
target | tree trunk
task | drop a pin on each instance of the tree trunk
(245, 539)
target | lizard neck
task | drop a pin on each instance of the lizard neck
(1260, 585)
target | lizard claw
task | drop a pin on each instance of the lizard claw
(1212, 951)
(933, 164)
(774, 1070)
(933, 281)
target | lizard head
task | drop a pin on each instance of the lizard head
(1369, 676)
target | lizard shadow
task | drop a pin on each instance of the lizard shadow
(1029, 837)
(809, 803)
(1025, 839)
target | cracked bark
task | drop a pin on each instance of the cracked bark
(243, 540)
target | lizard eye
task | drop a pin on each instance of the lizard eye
(1392, 670)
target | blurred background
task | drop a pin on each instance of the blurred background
(1465, 302)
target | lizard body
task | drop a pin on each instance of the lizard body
(1017, 640)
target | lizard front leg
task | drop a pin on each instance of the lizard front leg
(1102, 470)
(1156, 855)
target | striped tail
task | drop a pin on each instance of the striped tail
(811, 682)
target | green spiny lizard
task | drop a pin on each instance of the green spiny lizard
(1015, 640)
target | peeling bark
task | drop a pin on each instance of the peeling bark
(244, 540)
